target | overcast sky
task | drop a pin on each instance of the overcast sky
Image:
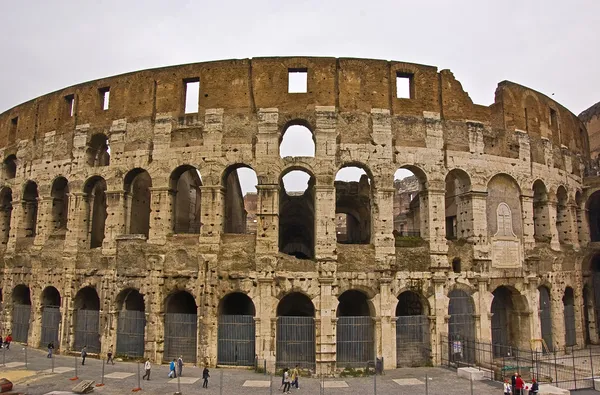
(551, 46)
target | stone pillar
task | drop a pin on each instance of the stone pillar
(15, 223)
(77, 222)
(325, 229)
(387, 344)
(115, 221)
(579, 306)
(325, 132)
(476, 142)
(212, 200)
(558, 318)
(326, 342)
(35, 320)
(440, 311)
(266, 311)
(44, 221)
(524, 145)
(554, 241)
(583, 226)
(383, 227)
(435, 213)
(479, 233)
(267, 227)
(160, 215)
(573, 231)
(527, 219)
(485, 315)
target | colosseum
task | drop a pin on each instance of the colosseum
(424, 218)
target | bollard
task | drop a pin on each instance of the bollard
(25, 349)
(76, 374)
(221, 384)
(101, 384)
(426, 384)
(139, 386)
(375, 384)
(178, 384)
(52, 360)
(265, 366)
(3, 356)
(471, 385)
(271, 386)
(592, 367)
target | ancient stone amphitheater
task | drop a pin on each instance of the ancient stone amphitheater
(124, 223)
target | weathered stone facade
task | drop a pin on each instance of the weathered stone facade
(84, 218)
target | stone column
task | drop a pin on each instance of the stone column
(579, 306)
(115, 220)
(77, 222)
(527, 220)
(583, 226)
(326, 342)
(479, 233)
(554, 241)
(383, 227)
(485, 315)
(267, 227)
(44, 223)
(436, 227)
(572, 224)
(15, 224)
(387, 344)
(265, 341)
(558, 318)
(160, 215)
(440, 309)
(35, 320)
(212, 200)
(325, 229)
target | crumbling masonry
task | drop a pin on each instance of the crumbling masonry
(122, 221)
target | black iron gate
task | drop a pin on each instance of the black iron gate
(50, 324)
(296, 342)
(569, 314)
(546, 317)
(236, 334)
(461, 328)
(181, 336)
(130, 333)
(412, 341)
(20, 322)
(87, 330)
(355, 342)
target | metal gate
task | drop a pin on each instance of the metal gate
(569, 314)
(296, 342)
(412, 341)
(546, 317)
(130, 333)
(596, 286)
(50, 324)
(20, 322)
(461, 328)
(236, 334)
(355, 342)
(87, 330)
(500, 329)
(181, 336)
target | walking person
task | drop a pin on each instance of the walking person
(180, 365)
(7, 341)
(513, 382)
(205, 376)
(535, 388)
(519, 385)
(507, 388)
(172, 373)
(295, 374)
(283, 378)
(147, 368)
(286, 381)
(83, 354)
(109, 356)
(50, 349)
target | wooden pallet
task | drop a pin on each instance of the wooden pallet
(84, 387)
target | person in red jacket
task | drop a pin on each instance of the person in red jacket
(519, 384)
(7, 341)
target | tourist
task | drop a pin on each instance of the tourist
(205, 376)
(295, 375)
(519, 385)
(83, 354)
(147, 367)
(50, 349)
(534, 387)
(180, 365)
(513, 382)
(507, 388)
(109, 355)
(7, 341)
(172, 373)
(286, 381)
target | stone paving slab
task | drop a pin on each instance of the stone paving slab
(184, 380)
(335, 384)
(257, 383)
(118, 375)
(408, 381)
(15, 364)
(59, 370)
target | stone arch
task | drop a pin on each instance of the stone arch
(98, 151)
(5, 214)
(131, 323)
(181, 326)
(569, 316)
(353, 203)
(137, 184)
(531, 108)
(413, 345)
(297, 218)
(545, 314)
(95, 207)
(295, 340)
(60, 203)
(87, 319)
(510, 320)
(236, 214)
(51, 316)
(236, 330)
(458, 204)
(297, 139)
(410, 185)
(29, 202)
(502, 188)
(185, 184)
(593, 209)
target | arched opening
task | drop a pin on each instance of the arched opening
(239, 181)
(5, 214)
(510, 325)
(563, 225)
(461, 328)
(236, 331)
(98, 150)
(569, 317)
(60, 204)
(87, 320)
(545, 314)
(541, 215)
(131, 323)
(95, 201)
(51, 316)
(408, 200)
(355, 332)
(458, 205)
(593, 206)
(186, 202)
(413, 346)
(297, 140)
(10, 167)
(21, 312)
(30, 208)
(295, 331)
(297, 214)
(181, 327)
(353, 194)
(456, 265)
(137, 202)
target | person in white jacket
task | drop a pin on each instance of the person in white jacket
(147, 367)
(507, 388)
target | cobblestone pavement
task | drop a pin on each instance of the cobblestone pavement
(37, 378)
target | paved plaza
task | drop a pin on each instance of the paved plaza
(37, 377)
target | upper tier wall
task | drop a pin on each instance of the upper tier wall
(241, 87)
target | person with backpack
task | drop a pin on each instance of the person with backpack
(535, 388)
(295, 374)
(172, 373)
(205, 376)
(147, 368)
(50, 349)
(180, 366)
(109, 356)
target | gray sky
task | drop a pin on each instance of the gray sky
(549, 45)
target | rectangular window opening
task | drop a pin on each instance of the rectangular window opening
(105, 98)
(12, 135)
(297, 80)
(70, 99)
(192, 95)
(404, 86)
(553, 117)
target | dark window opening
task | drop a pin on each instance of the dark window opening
(407, 187)
(553, 117)
(451, 232)
(12, 133)
(297, 215)
(353, 193)
(60, 203)
(104, 98)
(10, 167)
(192, 95)
(5, 214)
(297, 80)
(70, 100)
(405, 86)
(238, 182)
(186, 200)
(236, 303)
(456, 265)
(137, 200)
(95, 200)
(98, 150)
(30, 207)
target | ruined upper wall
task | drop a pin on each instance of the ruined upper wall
(591, 119)
(353, 86)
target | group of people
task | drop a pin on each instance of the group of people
(289, 379)
(517, 385)
(7, 341)
(178, 364)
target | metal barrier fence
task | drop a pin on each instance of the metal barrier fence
(130, 333)
(181, 336)
(87, 330)
(236, 337)
(572, 370)
(296, 342)
(355, 341)
(50, 323)
(20, 322)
